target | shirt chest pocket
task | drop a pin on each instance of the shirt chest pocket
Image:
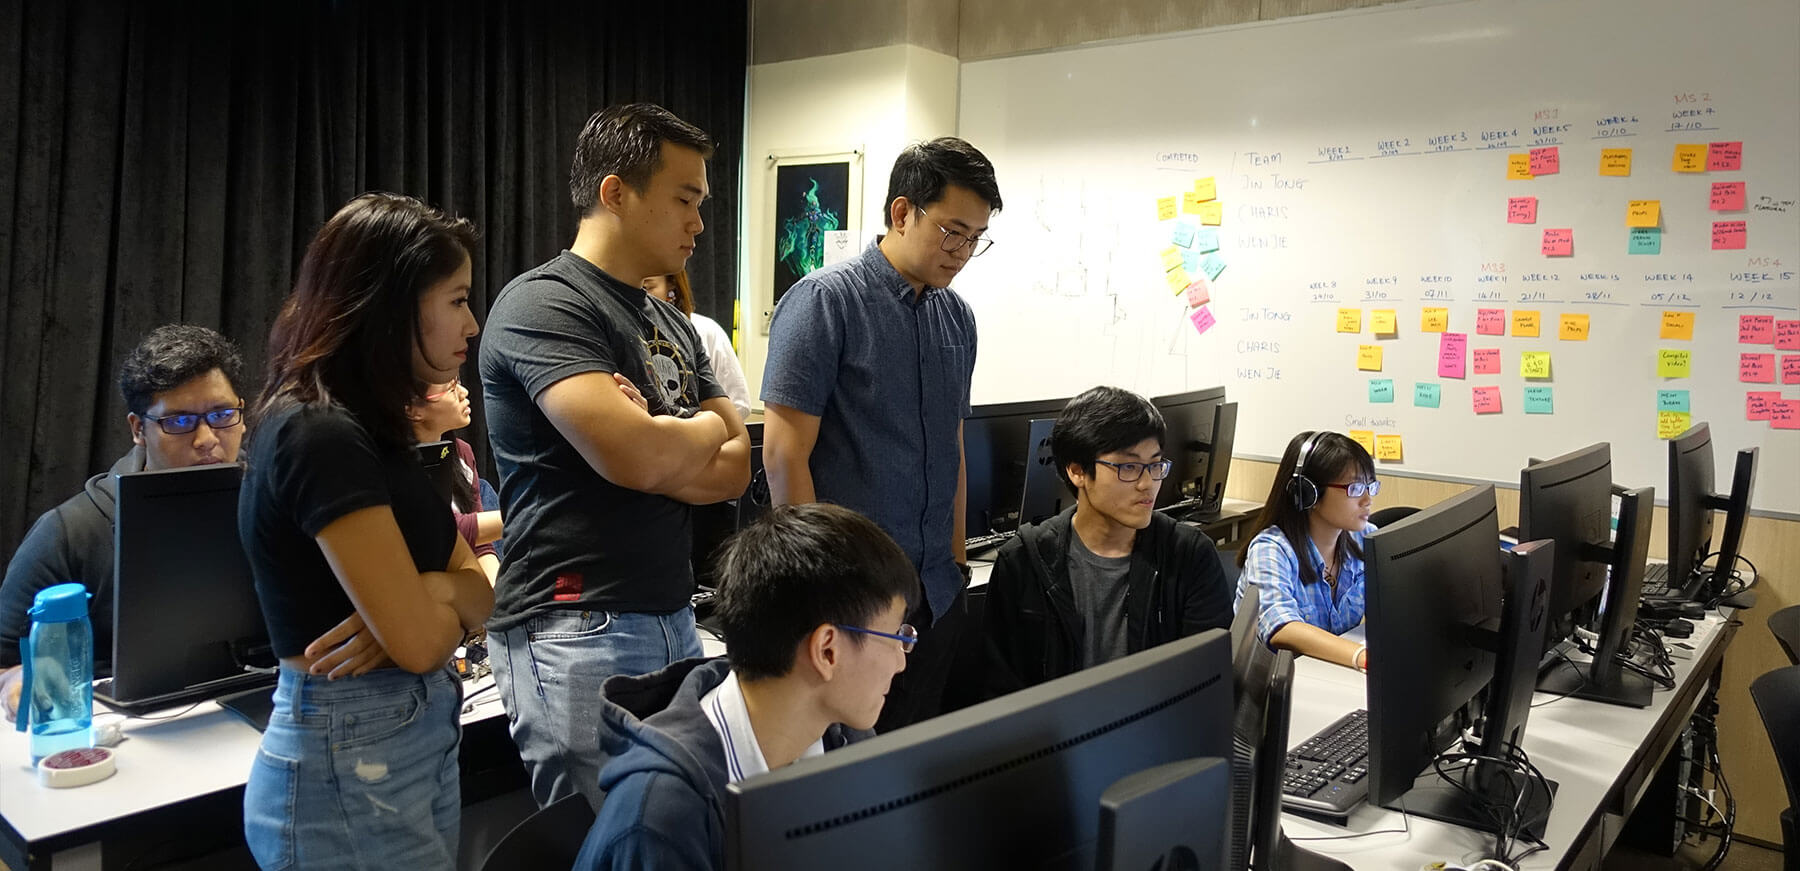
(951, 374)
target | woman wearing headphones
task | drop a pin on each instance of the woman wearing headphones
(1307, 562)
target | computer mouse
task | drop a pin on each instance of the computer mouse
(1678, 628)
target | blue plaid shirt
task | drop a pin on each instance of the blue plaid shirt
(1275, 570)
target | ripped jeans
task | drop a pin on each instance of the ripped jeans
(358, 773)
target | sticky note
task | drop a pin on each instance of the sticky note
(1518, 166)
(1206, 189)
(1212, 265)
(1757, 403)
(1349, 320)
(1756, 329)
(1190, 260)
(1673, 362)
(1785, 414)
(1729, 235)
(1171, 258)
(1615, 161)
(1434, 320)
(1787, 335)
(1453, 355)
(1166, 207)
(1539, 399)
(1545, 161)
(1727, 196)
(1381, 390)
(1756, 368)
(1486, 400)
(1534, 364)
(1199, 292)
(1206, 240)
(1689, 158)
(1178, 279)
(1384, 322)
(1368, 358)
(1490, 322)
(1559, 242)
(1387, 447)
(1364, 437)
(1525, 324)
(1521, 210)
(1724, 156)
(1427, 394)
(1202, 319)
(1670, 424)
(1183, 235)
(1644, 240)
(1672, 400)
(1574, 328)
(1190, 203)
(1790, 368)
(1677, 325)
(1643, 213)
(1487, 361)
(1211, 213)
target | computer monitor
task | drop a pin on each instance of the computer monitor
(1147, 818)
(186, 621)
(1265, 707)
(440, 463)
(1691, 502)
(1737, 512)
(998, 449)
(1210, 494)
(1190, 419)
(1045, 493)
(1604, 680)
(1568, 500)
(1010, 783)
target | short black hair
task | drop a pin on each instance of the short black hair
(924, 169)
(171, 356)
(1100, 421)
(796, 568)
(626, 141)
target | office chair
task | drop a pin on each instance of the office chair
(1777, 697)
(549, 838)
(1785, 624)
(1392, 513)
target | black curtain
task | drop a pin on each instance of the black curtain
(165, 162)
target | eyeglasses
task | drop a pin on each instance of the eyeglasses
(954, 241)
(187, 422)
(907, 637)
(448, 389)
(1356, 489)
(1129, 472)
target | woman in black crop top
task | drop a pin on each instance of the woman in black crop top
(365, 585)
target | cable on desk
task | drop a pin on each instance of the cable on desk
(1564, 654)
(1508, 818)
(172, 716)
(469, 701)
(1405, 829)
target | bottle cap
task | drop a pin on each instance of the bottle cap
(78, 767)
(60, 604)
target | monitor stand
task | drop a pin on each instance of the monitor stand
(1617, 687)
(1434, 798)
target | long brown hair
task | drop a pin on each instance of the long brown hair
(347, 332)
(1330, 456)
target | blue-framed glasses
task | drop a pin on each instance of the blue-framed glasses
(1130, 472)
(1356, 489)
(907, 636)
(187, 421)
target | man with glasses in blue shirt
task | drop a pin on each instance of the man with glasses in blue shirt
(1111, 576)
(183, 408)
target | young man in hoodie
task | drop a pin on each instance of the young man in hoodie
(1110, 576)
(811, 599)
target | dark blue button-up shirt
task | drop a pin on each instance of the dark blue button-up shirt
(888, 376)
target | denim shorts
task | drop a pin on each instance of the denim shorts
(358, 773)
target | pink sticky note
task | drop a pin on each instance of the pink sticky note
(1487, 400)
(1756, 329)
(1561, 243)
(1785, 414)
(1199, 293)
(1727, 196)
(1487, 361)
(1545, 161)
(1724, 156)
(1490, 322)
(1453, 355)
(1757, 402)
(1521, 210)
(1202, 319)
(1787, 335)
(1790, 368)
(1756, 368)
(1728, 235)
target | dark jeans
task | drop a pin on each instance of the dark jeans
(918, 692)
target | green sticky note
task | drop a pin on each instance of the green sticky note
(1381, 390)
(1538, 400)
(1644, 240)
(1427, 394)
(1672, 400)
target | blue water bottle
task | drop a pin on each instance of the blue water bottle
(56, 701)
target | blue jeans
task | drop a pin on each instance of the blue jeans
(358, 773)
(549, 670)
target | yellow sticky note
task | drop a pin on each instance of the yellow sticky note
(1673, 362)
(1190, 203)
(1349, 320)
(1178, 279)
(1615, 161)
(1525, 324)
(1434, 320)
(1387, 447)
(1364, 437)
(1171, 257)
(1574, 328)
(1368, 358)
(1670, 424)
(1534, 364)
(1212, 214)
(1677, 325)
(1165, 208)
(1643, 213)
(1383, 322)
(1518, 166)
(1206, 189)
(1689, 158)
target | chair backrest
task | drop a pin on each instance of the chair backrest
(1777, 697)
(1392, 513)
(1785, 624)
(549, 838)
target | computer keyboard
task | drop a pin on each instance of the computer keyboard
(1328, 774)
(1658, 586)
(975, 543)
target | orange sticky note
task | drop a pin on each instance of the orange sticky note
(1559, 242)
(1724, 156)
(1387, 447)
(1615, 161)
(1525, 324)
(1730, 235)
(1689, 158)
(1212, 213)
(1368, 358)
(1364, 437)
(1574, 328)
(1383, 322)
(1490, 322)
(1677, 325)
(1518, 166)
(1206, 189)
(1166, 208)
(1349, 320)
(1434, 320)
(1643, 213)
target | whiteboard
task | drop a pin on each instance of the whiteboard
(1361, 162)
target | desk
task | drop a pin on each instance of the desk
(1229, 530)
(1602, 756)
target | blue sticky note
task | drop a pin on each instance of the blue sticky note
(1381, 390)
(1206, 240)
(1191, 260)
(1427, 394)
(1672, 400)
(1645, 240)
(1183, 235)
(1213, 265)
(1538, 400)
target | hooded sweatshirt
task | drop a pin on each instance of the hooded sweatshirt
(665, 781)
